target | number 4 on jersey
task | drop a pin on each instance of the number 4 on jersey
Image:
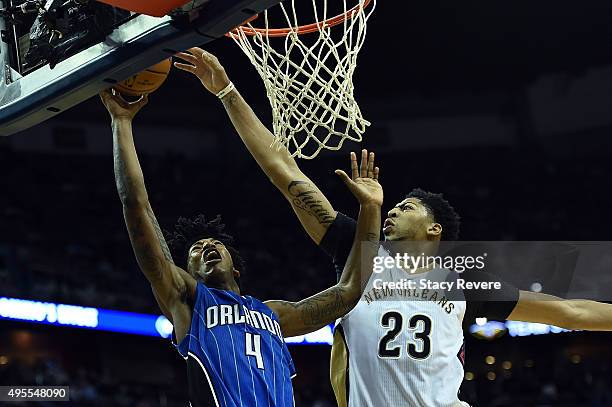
(253, 348)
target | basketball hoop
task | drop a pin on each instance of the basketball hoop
(309, 78)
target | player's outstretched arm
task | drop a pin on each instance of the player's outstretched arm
(569, 314)
(310, 205)
(171, 285)
(310, 314)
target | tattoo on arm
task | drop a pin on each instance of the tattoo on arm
(160, 235)
(232, 99)
(125, 183)
(322, 307)
(128, 175)
(129, 186)
(150, 263)
(305, 197)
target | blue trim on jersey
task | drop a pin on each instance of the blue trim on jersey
(239, 343)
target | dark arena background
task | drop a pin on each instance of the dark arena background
(504, 106)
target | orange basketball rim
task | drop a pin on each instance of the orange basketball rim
(303, 29)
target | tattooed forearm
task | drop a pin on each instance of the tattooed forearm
(145, 249)
(230, 101)
(324, 307)
(146, 236)
(305, 198)
(128, 175)
(160, 235)
(125, 184)
(310, 314)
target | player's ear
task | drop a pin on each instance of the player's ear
(236, 273)
(434, 230)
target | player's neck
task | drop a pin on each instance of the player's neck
(413, 248)
(230, 286)
(225, 285)
(413, 255)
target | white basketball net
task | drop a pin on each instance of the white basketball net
(310, 86)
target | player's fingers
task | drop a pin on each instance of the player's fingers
(344, 177)
(187, 57)
(113, 95)
(119, 98)
(376, 173)
(212, 60)
(144, 99)
(363, 169)
(209, 56)
(354, 168)
(185, 67)
(371, 166)
(196, 50)
(116, 97)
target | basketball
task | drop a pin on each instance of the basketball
(146, 81)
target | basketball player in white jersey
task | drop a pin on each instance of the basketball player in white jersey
(396, 347)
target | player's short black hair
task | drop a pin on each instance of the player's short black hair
(441, 210)
(188, 231)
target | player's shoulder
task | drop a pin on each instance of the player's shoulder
(339, 231)
(343, 219)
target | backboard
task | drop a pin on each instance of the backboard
(28, 98)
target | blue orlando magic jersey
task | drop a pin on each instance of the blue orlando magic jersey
(235, 353)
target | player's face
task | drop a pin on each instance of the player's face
(410, 220)
(210, 260)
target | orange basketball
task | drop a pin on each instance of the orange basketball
(146, 81)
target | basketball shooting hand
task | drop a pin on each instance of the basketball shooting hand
(118, 107)
(364, 180)
(206, 67)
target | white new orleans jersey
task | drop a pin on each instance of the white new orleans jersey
(402, 347)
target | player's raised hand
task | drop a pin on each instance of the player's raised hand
(363, 182)
(118, 107)
(206, 67)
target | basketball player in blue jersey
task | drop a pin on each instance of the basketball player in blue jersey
(401, 351)
(233, 344)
